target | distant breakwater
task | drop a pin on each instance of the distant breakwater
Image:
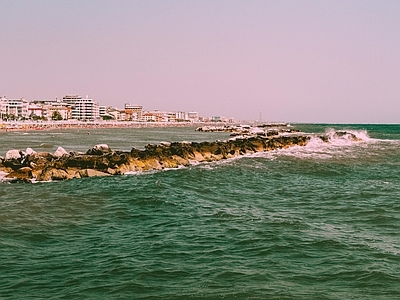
(29, 166)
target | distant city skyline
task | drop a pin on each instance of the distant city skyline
(73, 106)
(21, 108)
(285, 60)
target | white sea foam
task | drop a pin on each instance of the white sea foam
(193, 162)
(346, 137)
(171, 169)
(337, 143)
(206, 166)
(133, 173)
(145, 172)
(2, 176)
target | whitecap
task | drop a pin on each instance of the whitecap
(338, 143)
(346, 137)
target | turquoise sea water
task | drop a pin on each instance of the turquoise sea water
(314, 222)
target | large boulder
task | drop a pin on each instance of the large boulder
(29, 151)
(13, 154)
(39, 160)
(60, 152)
(22, 174)
(91, 173)
(96, 162)
(99, 150)
(49, 174)
(14, 159)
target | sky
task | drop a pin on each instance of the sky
(314, 61)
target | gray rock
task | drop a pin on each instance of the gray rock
(13, 154)
(29, 151)
(60, 152)
(99, 150)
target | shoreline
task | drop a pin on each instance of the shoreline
(11, 126)
(34, 126)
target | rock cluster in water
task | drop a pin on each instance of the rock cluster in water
(28, 166)
(247, 130)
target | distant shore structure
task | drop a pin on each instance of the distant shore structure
(29, 125)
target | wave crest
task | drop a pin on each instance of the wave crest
(346, 137)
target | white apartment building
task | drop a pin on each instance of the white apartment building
(71, 99)
(83, 109)
(171, 117)
(102, 110)
(118, 115)
(193, 116)
(180, 116)
(148, 117)
(13, 108)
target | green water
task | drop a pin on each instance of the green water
(314, 222)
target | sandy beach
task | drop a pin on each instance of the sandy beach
(74, 124)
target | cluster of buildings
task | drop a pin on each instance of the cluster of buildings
(86, 109)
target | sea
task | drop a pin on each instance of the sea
(315, 222)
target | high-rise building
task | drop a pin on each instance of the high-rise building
(71, 99)
(83, 109)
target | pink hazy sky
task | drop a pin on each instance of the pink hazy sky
(332, 61)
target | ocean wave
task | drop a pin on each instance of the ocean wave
(342, 143)
(346, 137)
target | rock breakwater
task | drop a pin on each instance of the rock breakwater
(28, 166)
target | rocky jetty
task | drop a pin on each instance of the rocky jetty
(268, 129)
(28, 166)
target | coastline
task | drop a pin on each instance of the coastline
(75, 124)
(51, 125)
